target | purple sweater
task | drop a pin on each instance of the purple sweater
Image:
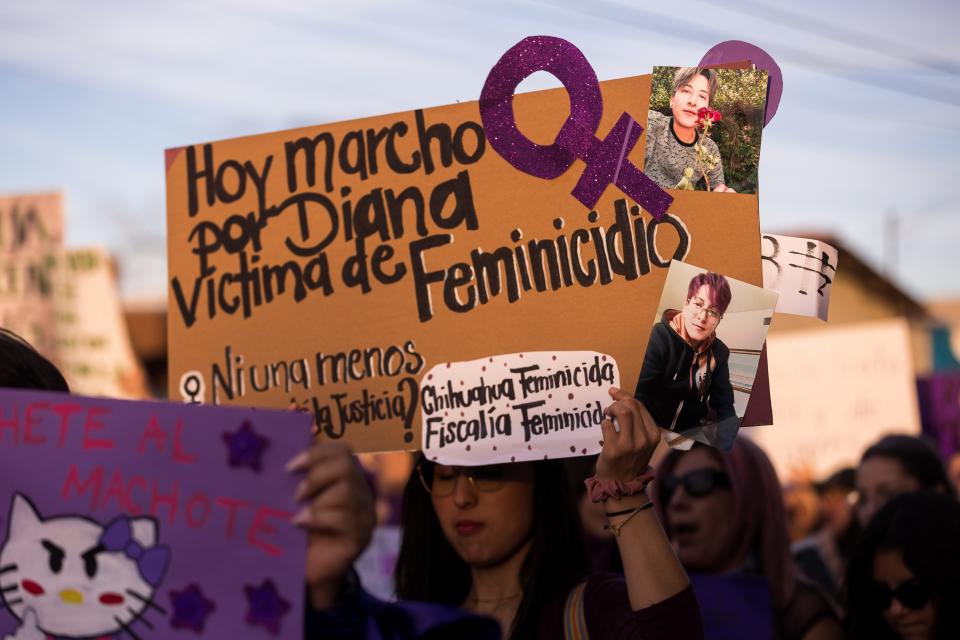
(609, 617)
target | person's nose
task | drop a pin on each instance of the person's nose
(896, 608)
(679, 501)
(464, 491)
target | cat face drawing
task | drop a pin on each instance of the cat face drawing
(71, 577)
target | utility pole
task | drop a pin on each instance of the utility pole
(892, 241)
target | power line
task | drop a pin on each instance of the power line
(859, 39)
(695, 32)
(935, 210)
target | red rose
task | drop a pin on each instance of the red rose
(707, 116)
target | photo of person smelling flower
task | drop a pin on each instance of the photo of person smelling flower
(679, 152)
(701, 125)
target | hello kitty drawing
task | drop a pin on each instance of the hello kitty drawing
(71, 577)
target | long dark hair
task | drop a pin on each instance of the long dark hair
(917, 456)
(925, 527)
(23, 367)
(429, 569)
(758, 512)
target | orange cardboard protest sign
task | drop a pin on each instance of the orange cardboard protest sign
(333, 266)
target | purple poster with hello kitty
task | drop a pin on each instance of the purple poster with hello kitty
(147, 520)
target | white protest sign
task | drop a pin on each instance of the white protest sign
(31, 242)
(514, 407)
(802, 271)
(92, 337)
(835, 391)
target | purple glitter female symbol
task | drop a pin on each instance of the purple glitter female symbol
(606, 159)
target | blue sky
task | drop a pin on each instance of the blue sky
(92, 92)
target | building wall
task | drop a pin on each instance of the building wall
(856, 298)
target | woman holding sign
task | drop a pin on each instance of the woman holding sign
(505, 541)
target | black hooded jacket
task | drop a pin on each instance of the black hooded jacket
(664, 381)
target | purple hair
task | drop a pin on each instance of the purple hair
(758, 512)
(720, 295)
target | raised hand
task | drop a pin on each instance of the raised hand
(338, 513)
(630, 437)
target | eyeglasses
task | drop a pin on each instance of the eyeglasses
(696, 484)
(441, 481)
(911, 594)
(700, 306)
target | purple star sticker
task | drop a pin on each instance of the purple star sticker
(265, 606)
(245, 446)
(190, 608)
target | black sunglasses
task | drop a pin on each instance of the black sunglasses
(911, 594)
(696, 484)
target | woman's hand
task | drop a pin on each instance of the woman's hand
(338, 513)
(626, 453)
(650, 565)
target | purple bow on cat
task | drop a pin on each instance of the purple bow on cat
(152, 562)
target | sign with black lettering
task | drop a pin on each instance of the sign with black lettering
(333, 266)
(517, 406)
(802, 271)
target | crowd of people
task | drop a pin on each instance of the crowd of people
(700, 547)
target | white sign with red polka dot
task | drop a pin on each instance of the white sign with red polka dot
(514, 407)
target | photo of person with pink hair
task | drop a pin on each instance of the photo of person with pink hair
(685, 379)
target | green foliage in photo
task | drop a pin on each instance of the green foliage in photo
(741, 99)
